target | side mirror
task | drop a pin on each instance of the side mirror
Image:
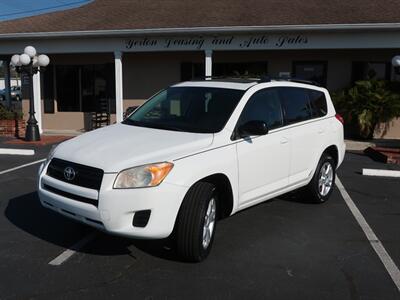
(255, 127)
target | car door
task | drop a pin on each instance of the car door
(303, 131)
(263, 161)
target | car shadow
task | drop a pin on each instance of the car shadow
(27, 214)
(295, 196)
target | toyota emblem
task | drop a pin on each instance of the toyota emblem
(69, 173)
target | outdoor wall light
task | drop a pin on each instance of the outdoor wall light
(396, 64)
(28, 63)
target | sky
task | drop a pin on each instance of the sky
(15, 9)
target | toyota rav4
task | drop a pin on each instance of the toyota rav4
(194, 153)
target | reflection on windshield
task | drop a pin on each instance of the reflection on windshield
(191, 109)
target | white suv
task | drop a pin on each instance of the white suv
(194, 153)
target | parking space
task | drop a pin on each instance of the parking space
(378, 199)
(11, 161)
(281, 249)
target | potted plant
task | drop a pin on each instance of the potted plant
(367, 104)
(11, 122)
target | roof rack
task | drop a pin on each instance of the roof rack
(242, 79)
(287, 78)
(264, 78)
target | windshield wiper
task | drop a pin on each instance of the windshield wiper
(163, 126)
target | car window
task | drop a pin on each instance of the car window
(264, 106)
(318, 103)
(191, 109)
(296, 104)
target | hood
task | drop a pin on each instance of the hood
(117, 147)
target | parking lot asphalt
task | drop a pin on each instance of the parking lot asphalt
(10, 161)
(280, 249)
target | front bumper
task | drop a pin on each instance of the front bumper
(116, 208)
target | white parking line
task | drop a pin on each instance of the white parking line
(383, 173)
(22, 166)
(72, 250)
(17, 151)
(376, 244)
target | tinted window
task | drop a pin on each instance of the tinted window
(84, 88)
(248, 69)
(264, 106)
(192, 109)
(318, 103)
(371, 70)
(296, 104)
(314, 71)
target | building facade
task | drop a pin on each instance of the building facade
(119, 65)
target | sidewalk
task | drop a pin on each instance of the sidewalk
(353, 145)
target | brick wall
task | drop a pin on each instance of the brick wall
(15, 128)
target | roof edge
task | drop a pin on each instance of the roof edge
(203, 30)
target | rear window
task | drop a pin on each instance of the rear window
(296, 103)
(318, 103)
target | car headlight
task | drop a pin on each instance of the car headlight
(143, 176)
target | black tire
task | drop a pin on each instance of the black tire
(312, 191)
(190, 222)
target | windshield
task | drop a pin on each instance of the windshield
(191, 109)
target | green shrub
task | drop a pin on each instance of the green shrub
(7, 114)
(369, 103)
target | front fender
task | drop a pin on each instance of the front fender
(191, 169)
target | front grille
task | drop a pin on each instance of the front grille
(70, 196)
(84, 176)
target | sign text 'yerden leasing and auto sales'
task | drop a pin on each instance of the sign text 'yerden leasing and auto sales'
(219, 43)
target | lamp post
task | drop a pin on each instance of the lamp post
(29, 63)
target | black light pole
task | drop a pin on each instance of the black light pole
(29, 64)
(32, 129)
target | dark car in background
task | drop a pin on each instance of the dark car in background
(16, 93)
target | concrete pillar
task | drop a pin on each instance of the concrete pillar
(208, 63)
(37, 100)
(7, 82)
(119, 108)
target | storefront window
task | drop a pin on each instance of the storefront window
(67, 80)
(312, 70)
(250, 69)
(85, 88)
(371, 70)
(48, 90)
(191, 71)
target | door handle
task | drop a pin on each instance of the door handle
(321, 130)
(284, 141)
